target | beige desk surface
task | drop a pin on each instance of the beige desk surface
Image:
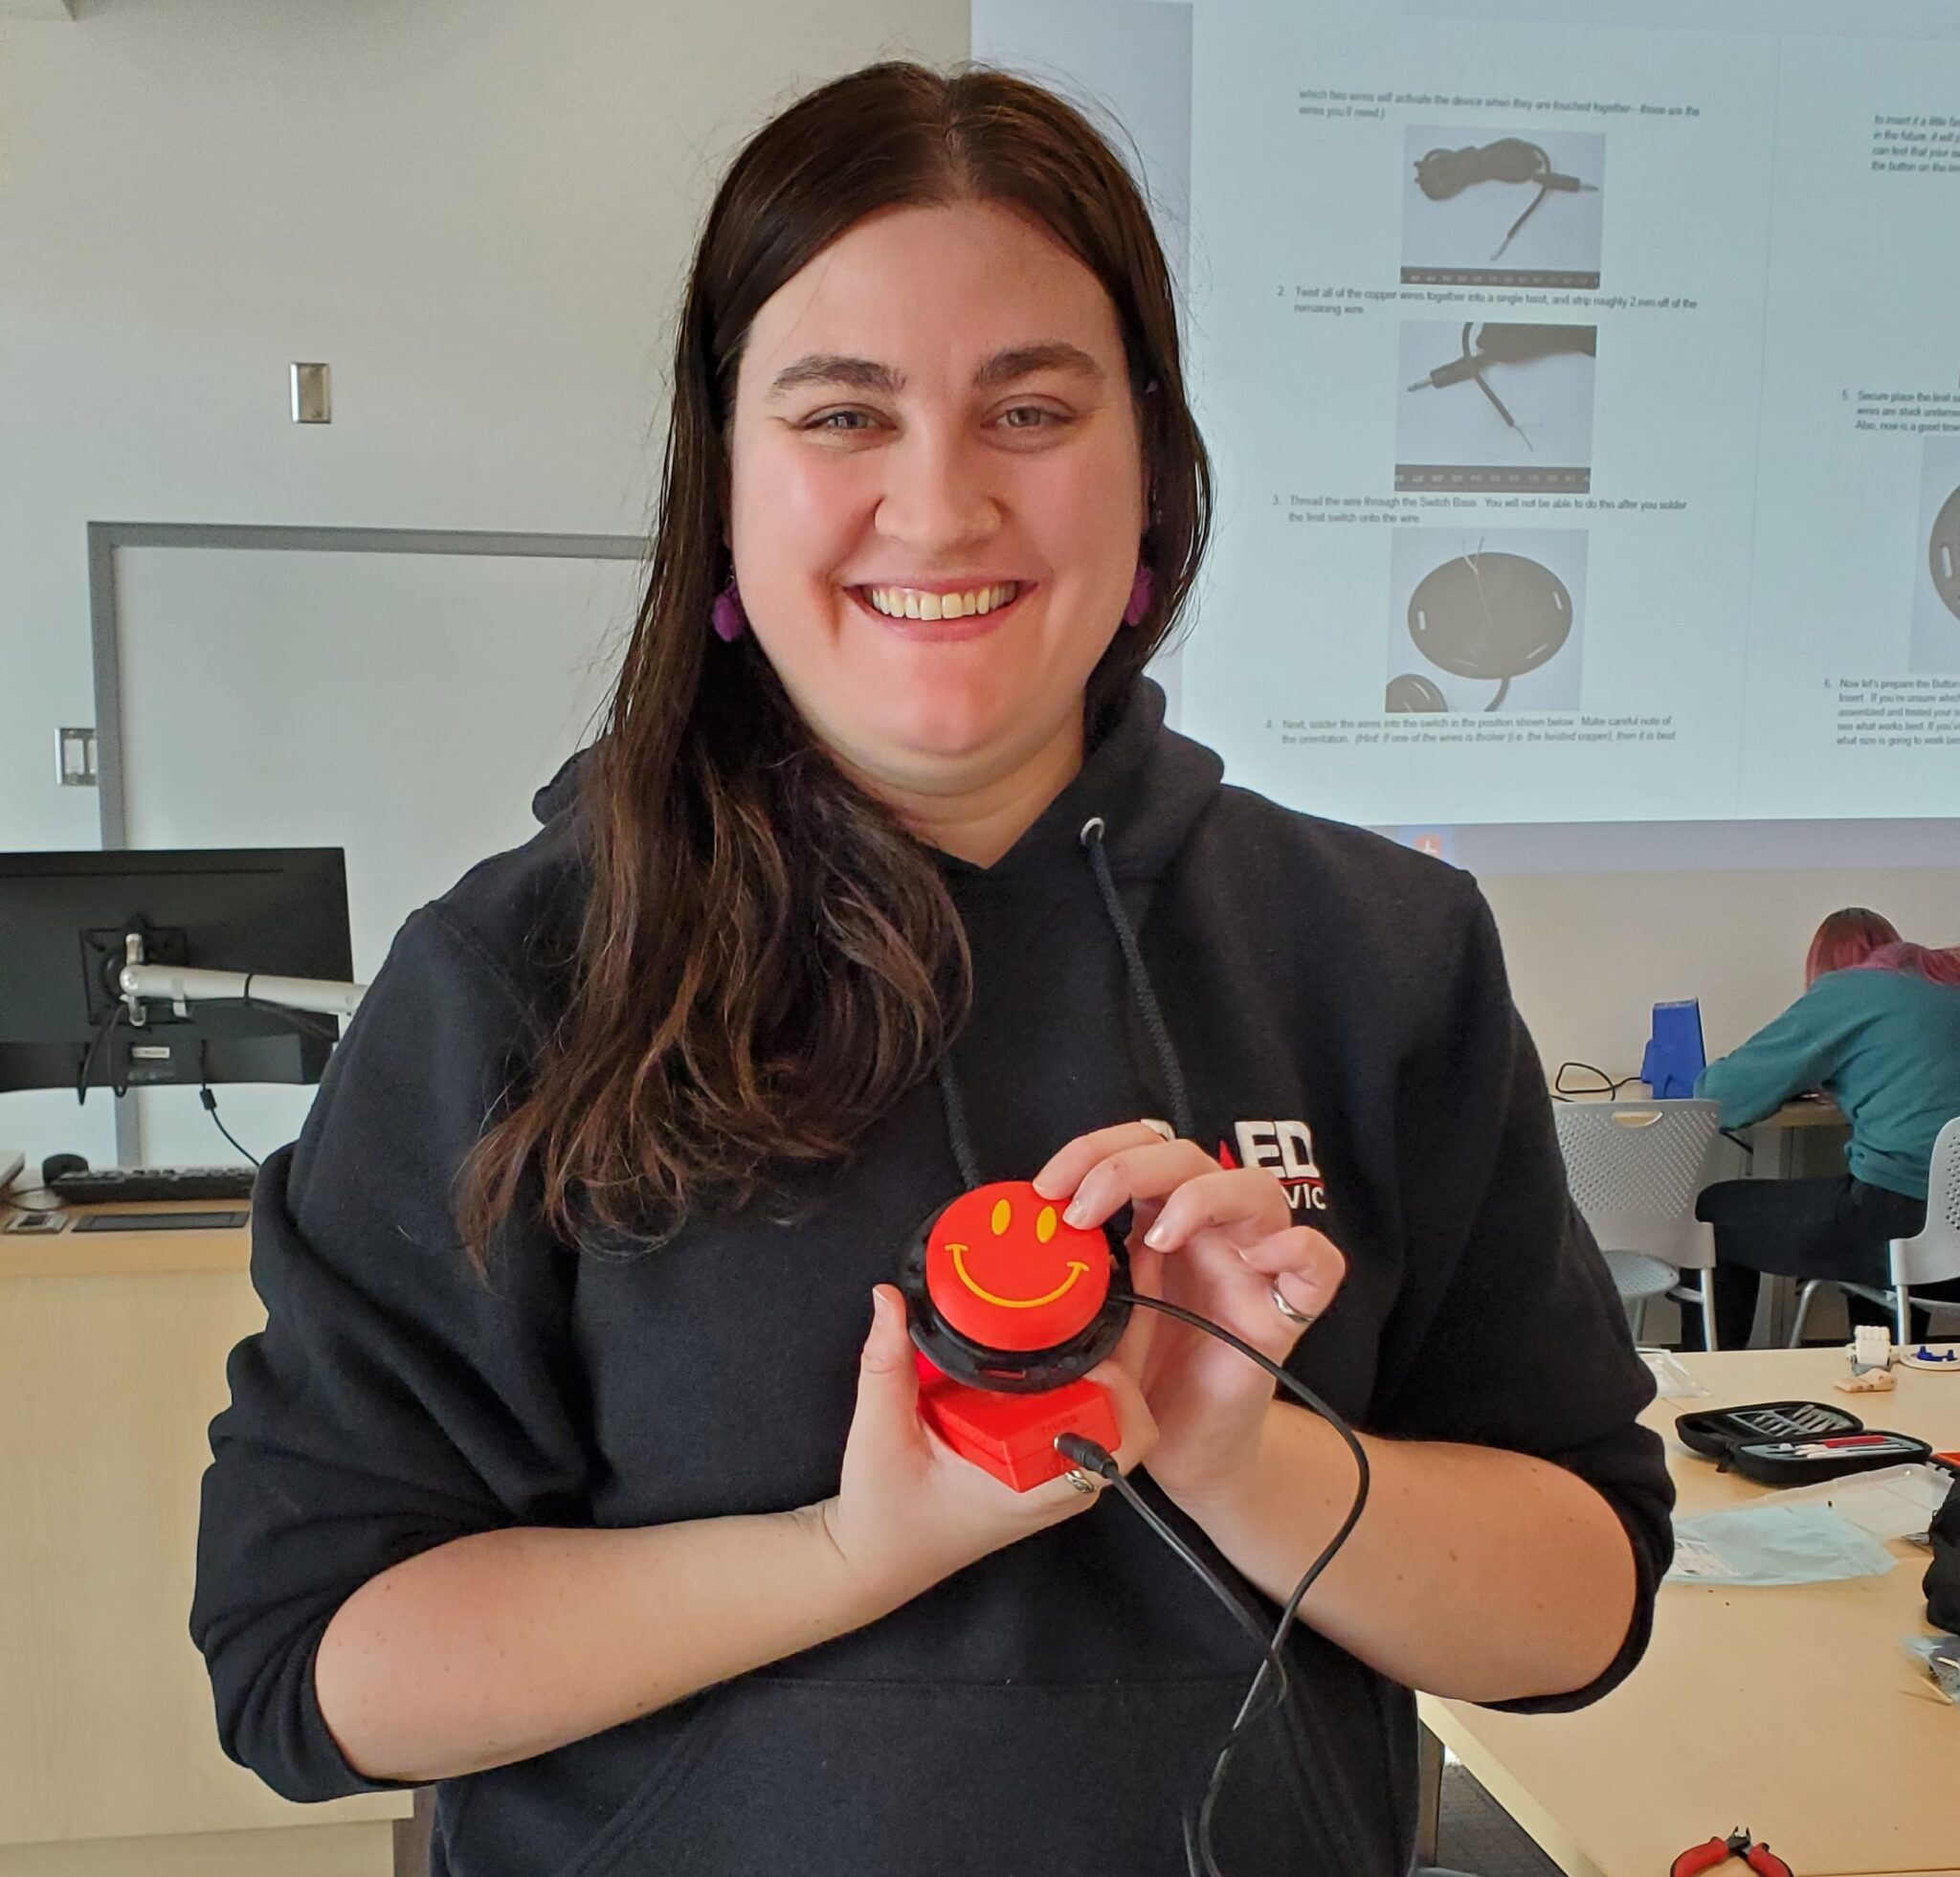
(1805, 1114)
(112, 1354)
(1793, 1712)
(71, 1254)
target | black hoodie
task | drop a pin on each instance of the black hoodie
(1338, 1011)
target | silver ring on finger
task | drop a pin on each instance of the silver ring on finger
(1081, 1481)
(1287, 1309)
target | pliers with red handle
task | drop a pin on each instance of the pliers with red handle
(1759, 1858)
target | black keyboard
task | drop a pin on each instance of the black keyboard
(102, 1184)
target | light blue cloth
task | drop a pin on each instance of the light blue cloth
(1772, 1543)
(1883, 1045)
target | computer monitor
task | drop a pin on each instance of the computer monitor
(64, 920)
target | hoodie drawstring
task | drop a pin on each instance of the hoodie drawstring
(1140, 989)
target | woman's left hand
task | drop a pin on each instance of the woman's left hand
(1219, 1241)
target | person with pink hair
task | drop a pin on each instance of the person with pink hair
(1878, 1030)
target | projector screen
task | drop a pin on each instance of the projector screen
(1583, 382)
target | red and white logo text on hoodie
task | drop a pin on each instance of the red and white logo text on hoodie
(1285, 1150)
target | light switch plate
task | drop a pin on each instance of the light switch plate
(312, 395)
(75, 757)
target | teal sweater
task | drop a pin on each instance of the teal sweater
(1883, 1045)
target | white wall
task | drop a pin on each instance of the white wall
(479, 212)
(1590, 956)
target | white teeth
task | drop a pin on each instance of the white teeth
(909, 603)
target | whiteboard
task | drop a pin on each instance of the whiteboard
(402, 707)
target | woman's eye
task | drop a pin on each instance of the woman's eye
(852, 422)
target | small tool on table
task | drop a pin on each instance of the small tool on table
(1718, 1851)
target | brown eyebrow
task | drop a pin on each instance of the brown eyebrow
(1003, 368)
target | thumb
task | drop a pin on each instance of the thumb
(888, 1377)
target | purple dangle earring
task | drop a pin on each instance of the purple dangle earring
(1142, 588)
(727, 617)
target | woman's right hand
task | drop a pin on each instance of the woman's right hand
(910, 1511)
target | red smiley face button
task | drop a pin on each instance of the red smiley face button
(1007, 1270)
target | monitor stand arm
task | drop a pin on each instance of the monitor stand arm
(181, 987)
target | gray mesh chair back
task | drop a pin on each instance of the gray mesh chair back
(1635, 1169)
(1932, 1255)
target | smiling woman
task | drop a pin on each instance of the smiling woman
(566, 1474)
(929, 346)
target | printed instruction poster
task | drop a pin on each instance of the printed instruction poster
(1583, 387)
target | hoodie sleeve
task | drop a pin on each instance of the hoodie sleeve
(394, 1401)
(1509, 1333)
(1795, 1051)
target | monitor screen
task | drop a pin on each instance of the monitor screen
(66, 922)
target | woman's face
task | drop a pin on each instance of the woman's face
(937, 404)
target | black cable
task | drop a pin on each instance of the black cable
(326, 1032)
(1608, 1086)
(1198, 1850)
(1293, 1763)
(88, 1060)
(1092, 1458)
(211, 1105)
(1445, 174)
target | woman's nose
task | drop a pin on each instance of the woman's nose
(939, 494)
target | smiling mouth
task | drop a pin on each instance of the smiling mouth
(1076, 1269)
(916, 603)
(904, 609)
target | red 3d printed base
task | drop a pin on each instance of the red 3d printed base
(1012, 1436)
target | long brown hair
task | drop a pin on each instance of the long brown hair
(766, 959)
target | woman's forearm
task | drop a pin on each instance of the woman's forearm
(506, 1644)
(1475, 1573)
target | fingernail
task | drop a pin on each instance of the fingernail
(1077, 1214)
(1157, 1235)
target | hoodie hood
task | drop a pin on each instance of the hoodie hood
(562, 791)
(1148, 785)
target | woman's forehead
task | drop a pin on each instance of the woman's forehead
(933, 298)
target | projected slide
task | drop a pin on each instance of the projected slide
(1584, 385)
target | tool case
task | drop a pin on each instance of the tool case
(1794, 1442)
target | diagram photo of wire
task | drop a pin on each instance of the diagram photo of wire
(1505, 210)
(1494, 408)
(1441, 174)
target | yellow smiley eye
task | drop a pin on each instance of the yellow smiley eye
(1003, 1217)
(1044, 1226)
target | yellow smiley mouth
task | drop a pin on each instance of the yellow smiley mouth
(1076, 1269)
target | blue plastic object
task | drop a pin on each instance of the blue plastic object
(1675, 1053)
